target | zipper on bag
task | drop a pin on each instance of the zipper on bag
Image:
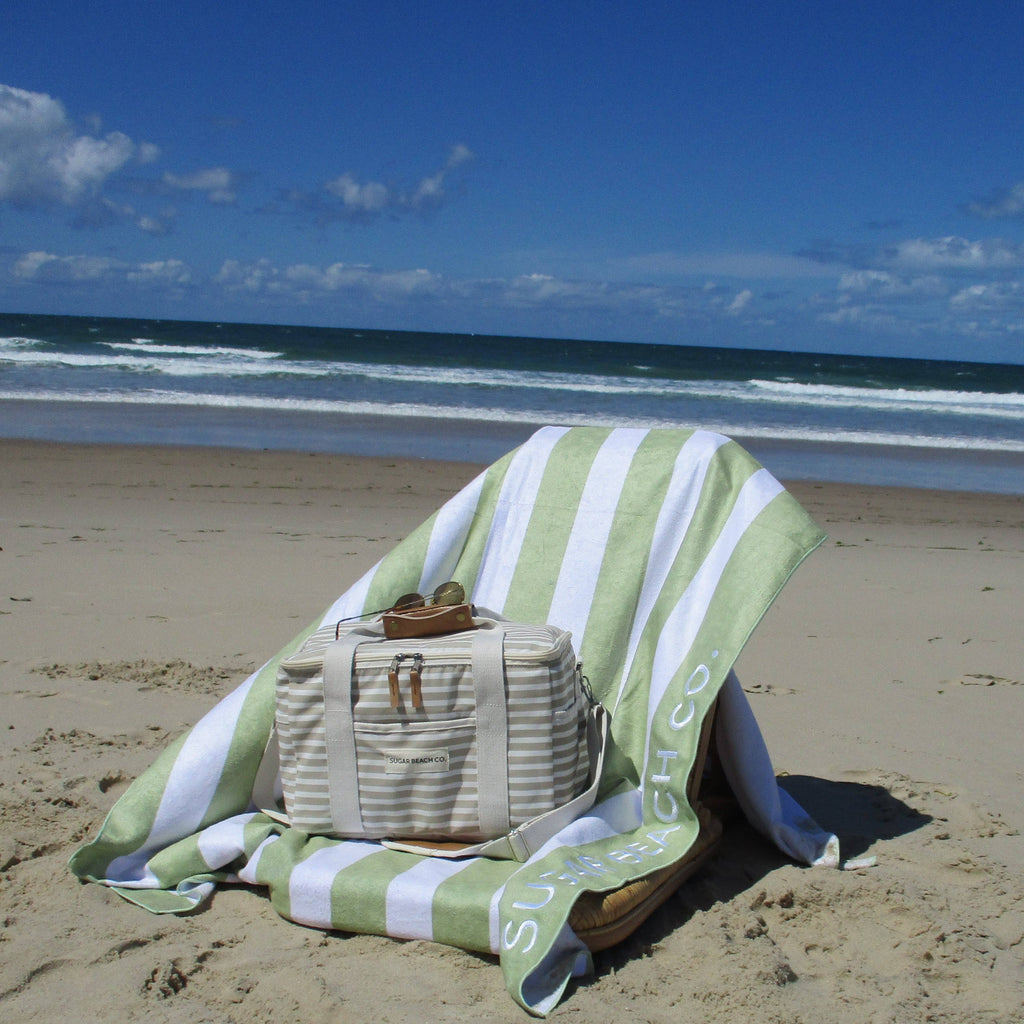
(415, 676)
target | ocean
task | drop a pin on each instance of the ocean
(922, 423)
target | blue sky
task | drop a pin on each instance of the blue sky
(809, 176)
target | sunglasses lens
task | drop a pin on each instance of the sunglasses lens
(407, 601)
(450, 593)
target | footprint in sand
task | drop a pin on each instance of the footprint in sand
(985, 679)
(769, 690)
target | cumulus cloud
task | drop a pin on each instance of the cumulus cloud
(950, 253)
(45, 161)
(1003, 203)
(44, 266)
(998, 296)
(173, 272)
(219, 184)
(253, 276)
(954, 253)
(525, 294)
(865, 317)
(740, 302)
(544, 289)
(47, 268)
(358, 199)
(341, 276)
(365, 201)
(303, 280)
(948, 285)
(429, 193)
(885, 284)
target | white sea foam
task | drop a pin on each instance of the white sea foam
(147, 346)
(925, 400)
(203, 363)
(490, 414)
(144, 356)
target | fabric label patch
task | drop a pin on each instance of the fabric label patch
(417, 762)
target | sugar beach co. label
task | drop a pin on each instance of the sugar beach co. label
(417, 762)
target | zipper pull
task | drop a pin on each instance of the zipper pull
(417, 680)
(415, 676)
(393, 679)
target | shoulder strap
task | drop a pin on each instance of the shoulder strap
(524, 841)
(266, 796)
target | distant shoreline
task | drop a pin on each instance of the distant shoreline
(478, 441)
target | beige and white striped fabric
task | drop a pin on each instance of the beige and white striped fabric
(498, 737)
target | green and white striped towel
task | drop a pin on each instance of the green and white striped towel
(659, 550)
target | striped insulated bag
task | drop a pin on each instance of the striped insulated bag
(480, 742)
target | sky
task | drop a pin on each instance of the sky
(816, 176)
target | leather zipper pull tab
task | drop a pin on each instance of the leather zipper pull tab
(417, 681)
(393, 680)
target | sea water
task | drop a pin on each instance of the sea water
(917, 422)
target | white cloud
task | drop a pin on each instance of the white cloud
(151, 225)
(45, 161)
(173, 272)
(528, 293)
(219, 184)
(359, 199)
(995, 296)
(251, 277)
(429, 193)
(544, 288)
(868, 317)
(44, 266)
(1005, 203)
(302, 281)
(368, 200)
(47, 268)
(459, 154)
(884, 284)
(382, 284)
(741, 301)
(954, 253)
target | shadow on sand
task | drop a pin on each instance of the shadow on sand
(858, 813)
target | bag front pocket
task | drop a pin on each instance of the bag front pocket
(422, 781)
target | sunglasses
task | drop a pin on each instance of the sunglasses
(446, 594)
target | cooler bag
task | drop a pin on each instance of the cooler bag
(487, 737)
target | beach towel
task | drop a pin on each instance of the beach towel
(660, 550)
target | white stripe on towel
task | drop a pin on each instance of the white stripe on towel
(588, 541)
(409, 905)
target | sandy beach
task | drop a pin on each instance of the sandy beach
(142, 584)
